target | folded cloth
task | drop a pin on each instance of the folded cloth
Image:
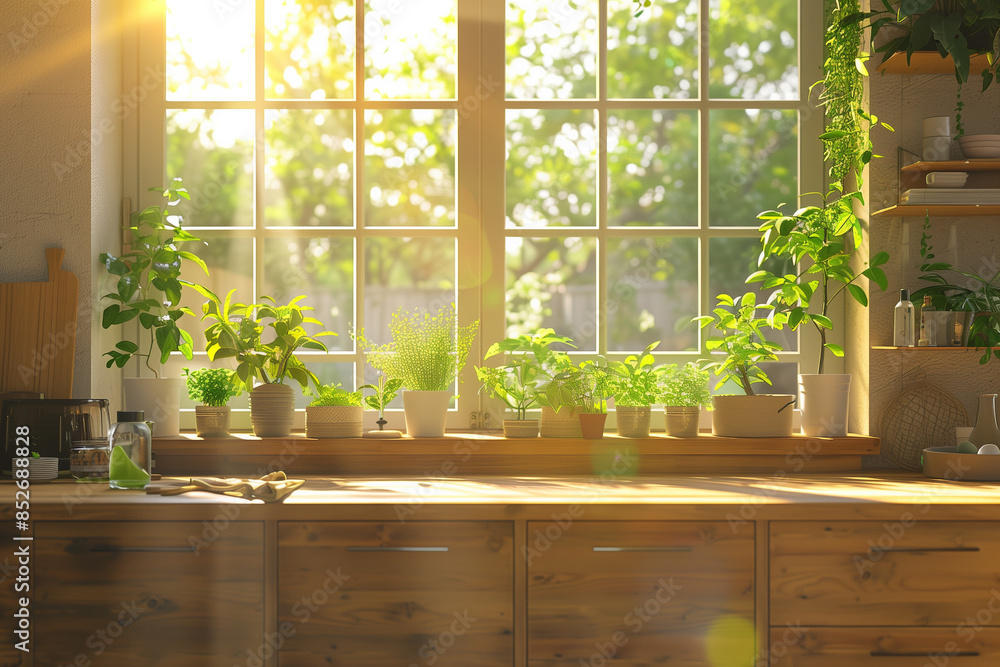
(271, 488)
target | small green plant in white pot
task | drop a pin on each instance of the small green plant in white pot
(634, 383)
(211, 388)
(742, 323)
(517, 381)
(334, 412)
(683, 392)
(427, 352)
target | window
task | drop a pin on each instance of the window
(540, 163)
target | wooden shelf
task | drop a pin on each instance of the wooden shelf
(951, 165)
(928, 62)
(938, 210)
(926, 348)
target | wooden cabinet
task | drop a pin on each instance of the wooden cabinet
(10, 589)
(885, 647)
(147, 593)
(373, 594)
(640, 593)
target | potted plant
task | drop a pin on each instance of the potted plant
(239, 330)
(383, 394)
(516, 382)
(211, 388)
(426, 354)
(333, 412)
(147, 289)
(560, 414)
(634, 383)
(744, 346)
(591, 387)
(683, 392)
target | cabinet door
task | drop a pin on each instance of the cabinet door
(640, 593)
(136, 593)
(9, 585)
(904, 572)
(884, 647)
(362, 594)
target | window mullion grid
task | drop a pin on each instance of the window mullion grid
(600, 309)
(359, 183)
(704, 298)
(259, 150)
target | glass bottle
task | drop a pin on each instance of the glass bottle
(131, 452)
(986, 431)
(903, 321)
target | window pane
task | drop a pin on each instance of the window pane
(753, 50)
(653, 168)
(652, 294)
(552, 49)
(656, 54)
(551, 168)
(309, 172)
(730, 261)
(200, 65)
(230, 266)
(410, 168)
(406, 273)
(410, 49)
(212, 151)
(552, 282)
(753, 163)
(309, 49)
(323, 270)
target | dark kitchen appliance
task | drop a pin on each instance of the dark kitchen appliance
(54, 424)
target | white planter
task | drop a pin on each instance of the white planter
(633, 422)
(682, 421)
(520, 428)
(760, 416)
(211, 421)
(334, 421)
(160, 401)
(426, 412)
(272, 409)
(824, 402)
(562, 424)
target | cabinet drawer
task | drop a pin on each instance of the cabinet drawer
(899, 573)
(885, 647)
(375, 594)
(138, 593)
(644, 592)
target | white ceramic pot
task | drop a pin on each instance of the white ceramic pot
(682, 421)
(824, 402)
(211, 421)
(520, 428)
(426, 412)
(633, 422)
(160, 401)
(334, 421)
(759, 416)
(562, 424)
(272, 408)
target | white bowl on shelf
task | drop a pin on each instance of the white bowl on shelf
(980, 145)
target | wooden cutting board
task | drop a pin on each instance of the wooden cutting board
(38, 332)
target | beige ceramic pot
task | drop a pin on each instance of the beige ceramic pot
(334, 421)
(211, 421)
(520, 428)
(562, 424)
(272, 408)
(760, 416)
(633, 422)
(682, 421)
(426, 413)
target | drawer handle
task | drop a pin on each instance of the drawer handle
(936, 549)
(919, 654)
(114, 550)
(411, 549)
(632, 549)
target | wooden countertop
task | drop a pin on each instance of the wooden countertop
(744, 497)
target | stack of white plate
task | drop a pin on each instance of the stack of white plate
(43, 468)
(946, 179)
(980, 145)
(989, 196)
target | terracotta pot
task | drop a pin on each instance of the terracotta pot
(520, 428)
(272, 408)
(633, 422)
(334, 421)
(426, 412)
(211, 421)
(592, 424)
(682, 421)
(760, 416)
(562, 424)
